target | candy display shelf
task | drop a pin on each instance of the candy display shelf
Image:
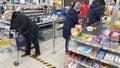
(94, 58)
(85, 65)
(95, 49)
(96, 45)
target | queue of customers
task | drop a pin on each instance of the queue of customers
(79, 11)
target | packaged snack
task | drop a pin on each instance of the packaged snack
(93, 53)
(115, 36)
(111, 58)
(79, 58)
(106, 58)
(107, 33)
(74, 32)
(84, 60)
(105, 44)
(116, 59)
(118, 48)
(96, 65)
(83, 37)
(116, 26)
(96, 39)
(79, 27)
(114, 45)
(101, 54)
(89, 62)
(76, 48)
(89, 39)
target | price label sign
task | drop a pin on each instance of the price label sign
(22, 1)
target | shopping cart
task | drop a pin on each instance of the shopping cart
(20, 42)
(7, 44)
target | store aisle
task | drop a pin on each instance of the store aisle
(56, 60)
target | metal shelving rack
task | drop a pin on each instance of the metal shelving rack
(95, 46)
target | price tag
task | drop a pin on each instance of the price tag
(88, 43)
(104, 61)
(118, 51)
(105, 48)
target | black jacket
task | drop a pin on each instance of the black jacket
(24, 25)
(70, 21)
(94, 13)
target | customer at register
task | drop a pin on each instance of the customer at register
(23, 24)
(70, 21)
(93, 13)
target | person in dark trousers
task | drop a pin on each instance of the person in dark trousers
(70, 21)
(25, 26)
(3, 7)
(93, 13)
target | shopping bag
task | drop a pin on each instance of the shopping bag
(21, 41)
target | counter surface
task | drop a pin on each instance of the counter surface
(100, 27)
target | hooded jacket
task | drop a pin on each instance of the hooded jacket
(70, 21)
(93, 14)
(83, 11)
(24, 25)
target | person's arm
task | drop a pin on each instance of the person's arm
(14, 24)
(76, 19)
(19, 23)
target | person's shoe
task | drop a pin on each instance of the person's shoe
(24, 55)
(35, 55)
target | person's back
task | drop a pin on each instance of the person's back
(26, 24)
(93, 14)
(83, 10)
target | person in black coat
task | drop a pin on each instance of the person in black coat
(93, 13)
(25, 26)
(70, 21)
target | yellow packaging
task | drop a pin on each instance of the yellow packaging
(119, 47)
(5, 42)
(118, 14)
(1, 42)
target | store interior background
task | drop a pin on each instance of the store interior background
(63, 3)
(46, 49)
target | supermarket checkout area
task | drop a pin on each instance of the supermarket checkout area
(99, 27)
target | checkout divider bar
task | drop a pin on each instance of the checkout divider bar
(42, 24)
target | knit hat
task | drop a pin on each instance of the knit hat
(77, 6)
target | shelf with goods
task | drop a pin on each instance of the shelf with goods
(92, 53)
(5, 41)
(97, 45)
(34, 15)
(85, 62)
(85, 65)
(88, 42)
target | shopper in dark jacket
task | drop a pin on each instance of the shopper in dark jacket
(25, 26)
(94, 14)
(70, 21)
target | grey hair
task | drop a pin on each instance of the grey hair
(6, 13)
(77, 6)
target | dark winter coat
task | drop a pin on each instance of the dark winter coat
(24, 25)
(93, 14)
(70, 21)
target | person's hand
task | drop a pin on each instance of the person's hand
(11, 35)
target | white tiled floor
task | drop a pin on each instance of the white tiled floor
(57, 59)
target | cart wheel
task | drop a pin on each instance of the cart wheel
(16, 63)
